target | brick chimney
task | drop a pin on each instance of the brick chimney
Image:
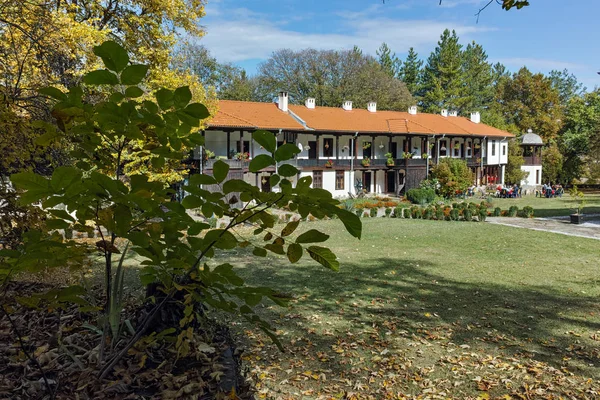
(372, 106)
(412, 110)
(476, 117)
(347, 105)
(310, 103)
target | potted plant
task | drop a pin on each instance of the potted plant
(407, 154)
(390, 159)
(329, 164)
(577, 195)
(243, 156)
(425, 155)
(208, 154)
(366, 145)
(366, 162)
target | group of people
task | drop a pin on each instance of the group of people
(549, 190)
(508, 192)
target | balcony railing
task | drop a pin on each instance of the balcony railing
(234, 164)
(532, 160)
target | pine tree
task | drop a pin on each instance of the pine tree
(443, 76)
(478, 90)
(410, 72)
(388, 60)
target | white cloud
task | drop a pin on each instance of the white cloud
(240, 38)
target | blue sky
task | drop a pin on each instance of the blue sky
(544, 36)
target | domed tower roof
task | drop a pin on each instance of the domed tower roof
(531, 139)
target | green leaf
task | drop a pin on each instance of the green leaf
(235, 185)
(164, 97)
(191, 202)
(134, 74)
(30, 181)
(182, 97)
(197, 110)
(265, 139)
(201, 179)
(57, 224)
(222, 238)
(54, 93)
(113, 55)
(116, 97)
(312, 236)
(101, 77)
(290, 228)
(62, 214)
(324, 256)
(287, 170)
(63, 177)
(286, 152)
(259, 252)
(350, 220)
(275, 248)
(220, 170)
(134, 92)
(294, 252)
(274, 180)
(253, 299)
(261, 161)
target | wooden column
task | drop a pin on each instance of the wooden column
(355, 144)
(372, 147)
(228, 143)
(317, 146)
(337, 147)
(390, 145)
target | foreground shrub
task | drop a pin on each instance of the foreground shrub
(482, 215)
(497, 212)
(420, 196)
(373, 212)
(179, 265)
(528, 212)
(454, 214)
(388, 212)
(468, 214)
(512, 211)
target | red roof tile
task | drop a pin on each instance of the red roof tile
(253, 115)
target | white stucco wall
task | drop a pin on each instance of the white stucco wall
(501, 151)
(529, 180)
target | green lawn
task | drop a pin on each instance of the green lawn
(551, 207)
(448, 309)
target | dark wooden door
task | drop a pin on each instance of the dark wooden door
(391, 181)
(394, 150)
(367, 181)
(312, 151)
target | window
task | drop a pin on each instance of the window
(317, 179)
(469, 149)
(537, 176)
(246, 148)
(456, 149)
(328, 147)
(493, 148)
(443, 148)
(366, 149)
(339, 180)
(504, 150)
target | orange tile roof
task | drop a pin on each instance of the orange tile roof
(252, 115)
(364, 121)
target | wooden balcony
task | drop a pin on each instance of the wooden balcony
(233, 164)
(532, 160)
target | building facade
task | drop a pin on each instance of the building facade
(346, 150)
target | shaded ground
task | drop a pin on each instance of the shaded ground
(434, 309)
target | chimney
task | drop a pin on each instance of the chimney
(310, 103)
(453, 113)
(347, 105)
(372, 106)
(476, 117)
(444, 112)
(412, 110)
(283, 101)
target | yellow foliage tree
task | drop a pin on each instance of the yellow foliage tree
(45, 43)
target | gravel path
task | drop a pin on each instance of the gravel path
(560, 225)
